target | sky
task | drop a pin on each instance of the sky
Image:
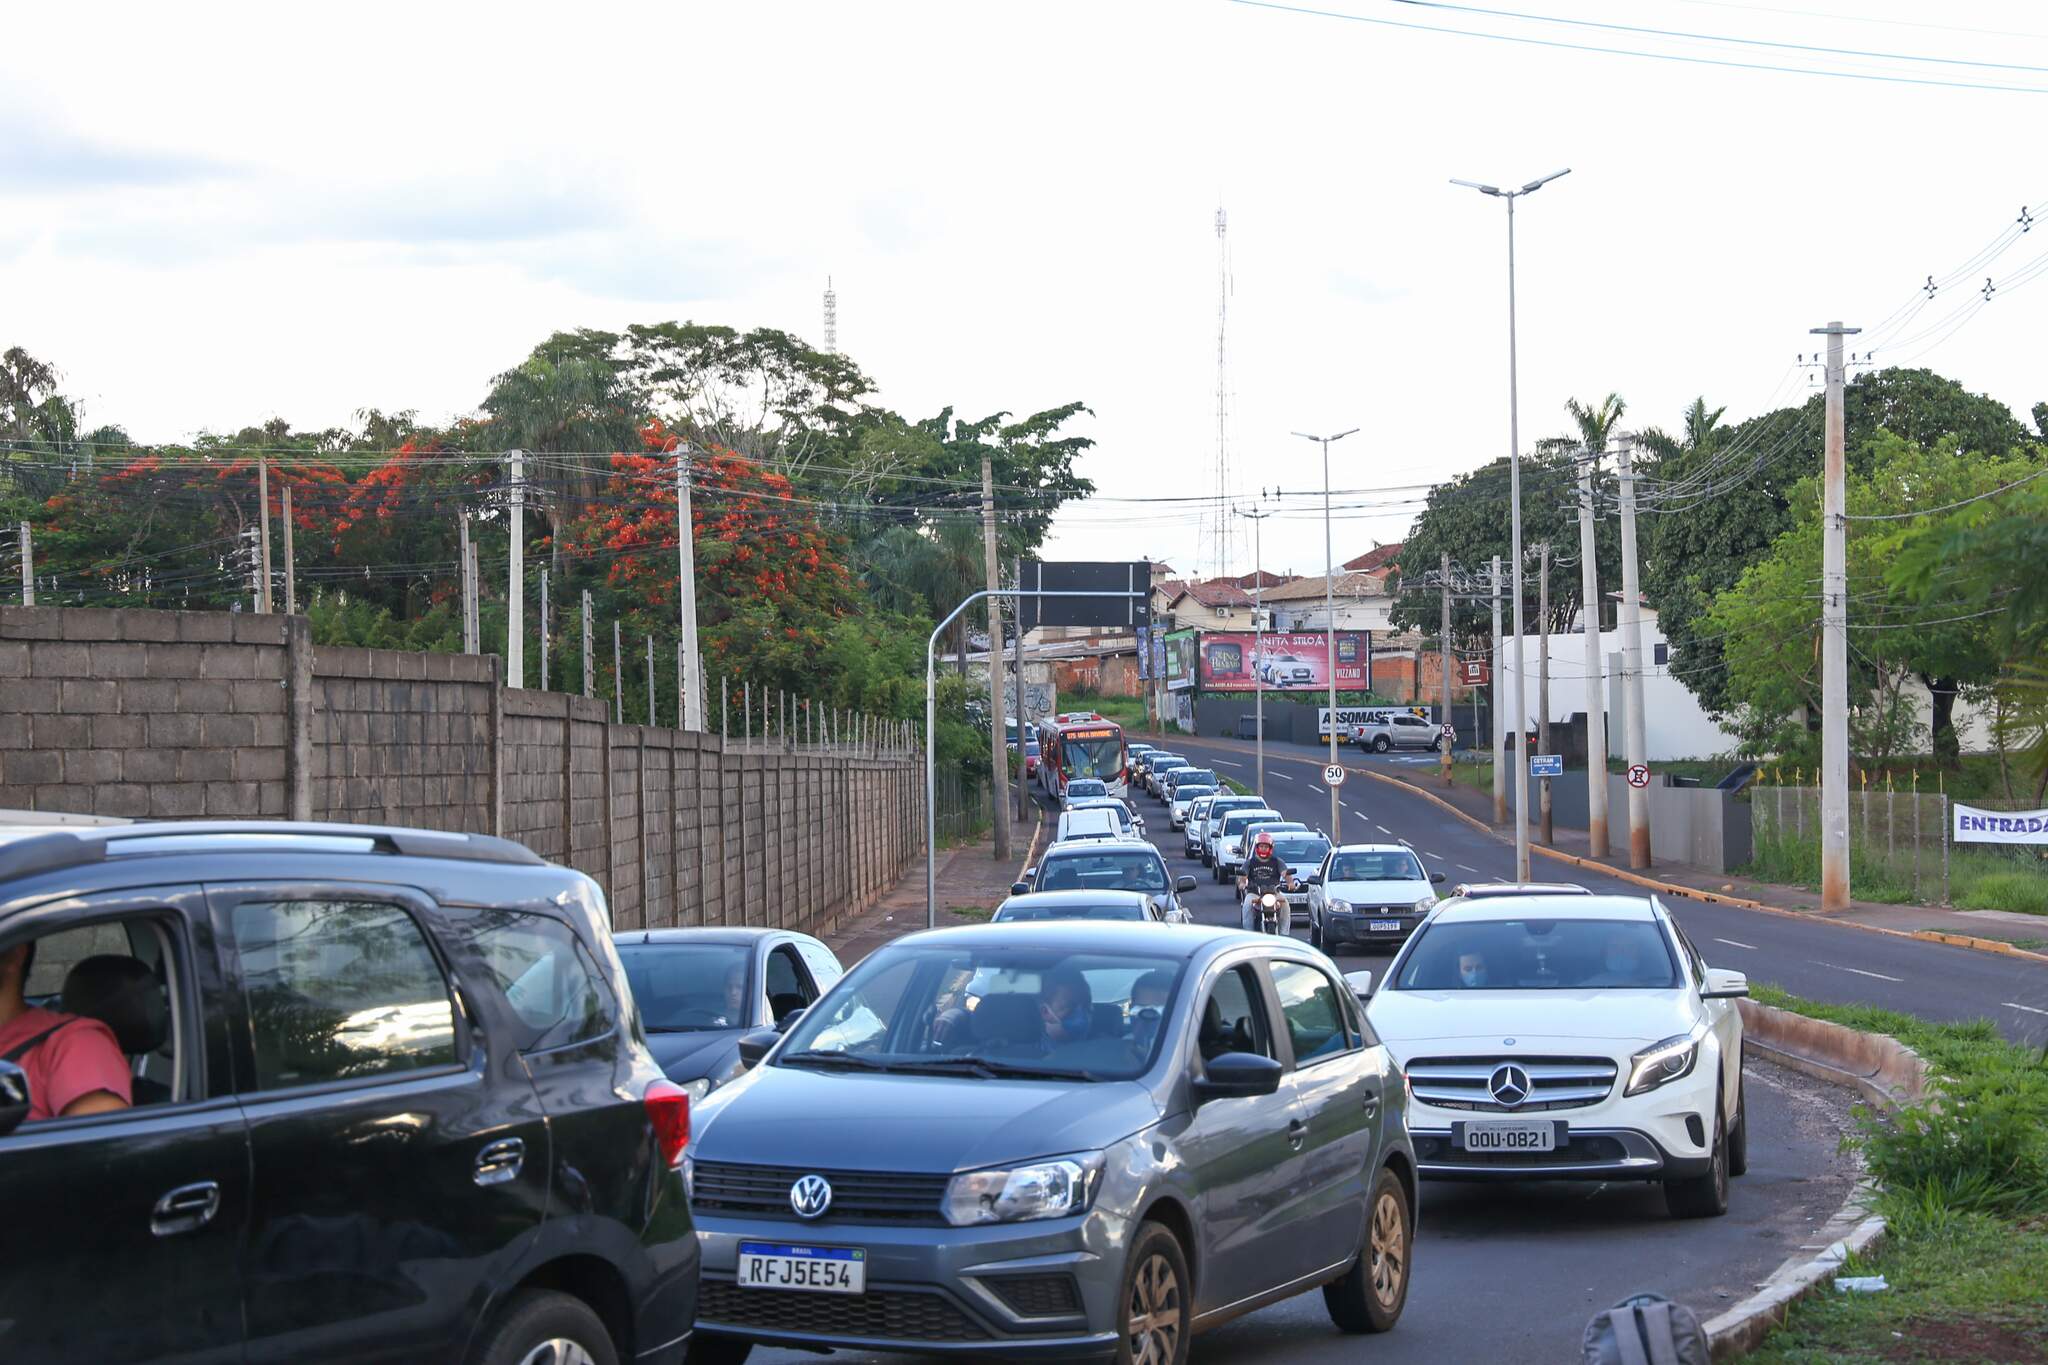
(215, 215)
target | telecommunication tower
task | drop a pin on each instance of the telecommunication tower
(1220, 512)
(831, 319)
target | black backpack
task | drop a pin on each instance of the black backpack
(1646, 1329)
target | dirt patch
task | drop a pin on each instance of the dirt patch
(1970, 1338)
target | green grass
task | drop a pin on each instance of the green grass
(969, 912)
(1233, 786)
(1966, 1188)
(1978, 879)
(1128, 712)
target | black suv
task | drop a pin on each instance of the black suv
(390, 1102)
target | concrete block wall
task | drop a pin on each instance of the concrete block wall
(205, 714)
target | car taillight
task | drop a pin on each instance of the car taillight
(668, 1109)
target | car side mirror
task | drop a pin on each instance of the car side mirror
(1360, 984)
(14, 1097)
(1314, 879)
(1181, 884)
(756, 1045)
(1436, 879)
(1725, 985)
(1236, 1076)
(787, 1021)
(1021, 888)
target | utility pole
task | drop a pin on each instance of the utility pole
(1330, 618)
(291, 581)
(1834, 640)
(1543, 681)
(544, 624)
(462, 572)
(1500, 712)
(515, 578)
(686, 595)
(28, 566)
(589, 672)
(618, 678)
(1632, 658)
(263, 531)
(1258, 519)
(1023, 803)
(998, 695)
(1444, 682)
(1596, 687)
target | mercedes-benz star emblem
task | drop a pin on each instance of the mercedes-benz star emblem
(1509, 1084)
(811, 1196)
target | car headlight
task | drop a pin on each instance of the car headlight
(1423, 906)
(698, 1089)
(1340, 907)
(1662, 1063)
(1054, 1188)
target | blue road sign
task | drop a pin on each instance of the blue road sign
(1546, 765)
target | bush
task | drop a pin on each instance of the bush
(2023, 892)
(1979, 1145)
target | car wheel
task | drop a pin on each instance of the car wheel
(1436, 746)
(717, 1351)
(1156, 1302)
(1738, 1136)
(1380, 744)
(542, 1327)
(1371, 1294)
(1315, 933)
(1703, 1196)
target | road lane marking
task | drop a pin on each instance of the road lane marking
(1860, 972)
(2015, 1005)
(1467, 867)
(1282, 776)
(1226, 763)
(1733, 943)
(1383, 829)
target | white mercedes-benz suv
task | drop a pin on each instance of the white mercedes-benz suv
(1568, 1037)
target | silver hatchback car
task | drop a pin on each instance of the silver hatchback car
(1068, 1140)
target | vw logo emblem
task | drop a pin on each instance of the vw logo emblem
(811, 1196)
(1509, 1084)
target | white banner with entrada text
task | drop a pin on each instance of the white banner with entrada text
(1975, 826)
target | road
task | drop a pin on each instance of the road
(1815, 959)
(1511, 1273)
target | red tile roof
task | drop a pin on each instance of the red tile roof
(1377, 557)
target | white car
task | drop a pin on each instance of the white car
(1226, 846)
(1221, 805)
(1367, 896)
(1087, 822)
(1184, 796)
(1576, 1037)
(1133, 824)
(1396, 731)
(1286, 670)
(1082, 789)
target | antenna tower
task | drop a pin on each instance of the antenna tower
(1221, 510)
(831, 319)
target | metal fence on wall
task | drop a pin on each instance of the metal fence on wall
(961, 809)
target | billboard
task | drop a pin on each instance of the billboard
(1131, 581)
(1238, 661)
(1348, 716)
(1179, 665)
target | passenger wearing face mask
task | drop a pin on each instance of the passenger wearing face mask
(1066, 1008)
(1472, 973)
(1621, 963)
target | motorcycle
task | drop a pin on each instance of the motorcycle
(1271, 907)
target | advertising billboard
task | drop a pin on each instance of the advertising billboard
(1238, 661)
(1178, 667)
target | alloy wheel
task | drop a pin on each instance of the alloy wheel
(557, 1351)
(1155, 1314)
(1389, 1250)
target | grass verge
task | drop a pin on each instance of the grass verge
(1966, 1195)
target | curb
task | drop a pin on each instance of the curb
(1031, 850)
(1982, 945)
(1887, 1073)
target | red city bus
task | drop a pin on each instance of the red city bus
(1073, 746)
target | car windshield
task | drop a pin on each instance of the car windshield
(1222, 806)
(1296, 849)
(1238, 821)
(687, 987)
(1121, 869)
(1186, 777)
(1189, 791)
(1539, 954)
(992, 1012)
(1394, 866)
(1031, 747)
(1077, 790)
(1097, 756)
(1111, 804)
(1014, 913)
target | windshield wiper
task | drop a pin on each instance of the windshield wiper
(814, 1057)
(678, 1028)
(990, 1068)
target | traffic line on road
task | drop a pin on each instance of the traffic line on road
(1737, 943)
(1467, 867)
(1317, 790)
(1226, 763)
(1860, 972)
(1383, 829)
(2015, 1005)
(1282, 776)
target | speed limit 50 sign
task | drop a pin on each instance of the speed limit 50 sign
(1333, 774)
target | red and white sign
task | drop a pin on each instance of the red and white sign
(1638, 775)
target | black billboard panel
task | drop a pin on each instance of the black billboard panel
(1130, 608)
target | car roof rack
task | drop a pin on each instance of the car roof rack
(76, 846)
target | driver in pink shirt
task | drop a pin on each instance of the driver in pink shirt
(74, 1064)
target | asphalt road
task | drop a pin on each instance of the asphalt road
(1815, 959)
(1511, 1273)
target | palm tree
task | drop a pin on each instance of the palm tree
(1702, 433)
(1596, 423)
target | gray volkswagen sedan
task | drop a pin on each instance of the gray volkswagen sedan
(1064, 1140)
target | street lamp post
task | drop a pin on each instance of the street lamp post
(1521, 778)
(1330, 618)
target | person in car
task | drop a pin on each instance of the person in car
(1147, 1004)
(1263, 872)
(1066, 1007)
(1621, 962)
(1472, 970)
(74, 1064)
(735, 996)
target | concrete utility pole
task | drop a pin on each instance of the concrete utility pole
(1596, 687)
(589, 647)
(998, 695)
(686, 596)
(263, 532)
(1330, 619)
(1500, 712)
(1834, 640)
(545, 622)
(1638, 746)
(28, 566)
(1023, 803)
(618, 678)
(1543, 681)
(1444, 668)
(515, 577)
(462, 570)
(291, 583)
(1258, 521)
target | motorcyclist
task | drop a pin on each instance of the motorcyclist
(1263, 872)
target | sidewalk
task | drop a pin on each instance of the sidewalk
(2029, 931)
(968, 876)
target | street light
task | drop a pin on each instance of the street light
(1521, 779)
(1330, 618)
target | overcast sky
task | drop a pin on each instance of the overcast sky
(214, 215)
